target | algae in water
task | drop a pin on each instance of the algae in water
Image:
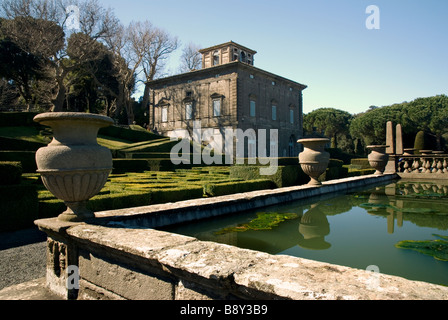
(437, 248)
(264, 221)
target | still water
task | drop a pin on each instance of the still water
(357, 229)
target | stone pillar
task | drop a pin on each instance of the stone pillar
(390, 141)
(390, 138)
(398, 140)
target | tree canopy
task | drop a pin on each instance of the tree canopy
(350, 132)
(97, 64)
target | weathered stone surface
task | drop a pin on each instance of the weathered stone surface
(144, 243)
(119, 260)
(399, 139)
(390, 141)
(299, 279)
(231, 271)
(123, 280)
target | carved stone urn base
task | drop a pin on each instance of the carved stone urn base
(76, 212)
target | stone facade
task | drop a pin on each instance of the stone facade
(228, 93)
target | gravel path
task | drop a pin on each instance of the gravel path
(22, 256)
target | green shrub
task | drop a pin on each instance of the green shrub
(336, 153)
(335, 163)
(11, 144)
(360, 163)
(119, 201)
(360, 172)
(220, 189)
(260, 161)
(128, 134)
(285, 176)
(27, 158)
(424, 141)
(334, 172)
(176, 194)
(18, 207)
(51, 208)
(129, 165)
(17, 119)
(10, 172)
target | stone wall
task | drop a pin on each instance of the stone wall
(117, 259)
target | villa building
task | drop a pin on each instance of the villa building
(228, 93)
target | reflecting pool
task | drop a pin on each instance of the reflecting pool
(359, 229)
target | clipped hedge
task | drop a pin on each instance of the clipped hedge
(18, 207)
(360, 172)
(129, 165)
(128, 134)
(176, 194)
(11, 144)
(335, 172)
(26, 158)
(17, 119)
(107, 201)
(285, 176)
(119, 201)
(261, 161)
(360, 163)
(10, 172)
(220, 189)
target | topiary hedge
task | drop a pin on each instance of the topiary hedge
(285, 176)
(26, 158)
(11, 144)
(129, 165)
(10, 172)
(18, 207)
(226, 188)
(17, 119)
(360, 163)
(128, 134)
(176, 194)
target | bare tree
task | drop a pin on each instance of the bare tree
(154, 51)
(190, 59)
(34, 35)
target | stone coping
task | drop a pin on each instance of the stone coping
(226, 270)
(248, 274)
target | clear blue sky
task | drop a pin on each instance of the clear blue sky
(323, 44)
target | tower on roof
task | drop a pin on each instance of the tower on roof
(226, 53)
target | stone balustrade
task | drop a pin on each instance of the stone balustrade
(430, 162)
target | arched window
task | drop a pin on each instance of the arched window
(243, 56)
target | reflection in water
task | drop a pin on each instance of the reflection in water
(314, 227)
(357, 229)
(422, 202)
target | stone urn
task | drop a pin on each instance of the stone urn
(378, 158)
(314, 159)
(74, 167)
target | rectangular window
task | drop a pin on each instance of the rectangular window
(274, 112)
(217, 107)
(164, 114)
(291, 116)
(189, 111)
(252, 108)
